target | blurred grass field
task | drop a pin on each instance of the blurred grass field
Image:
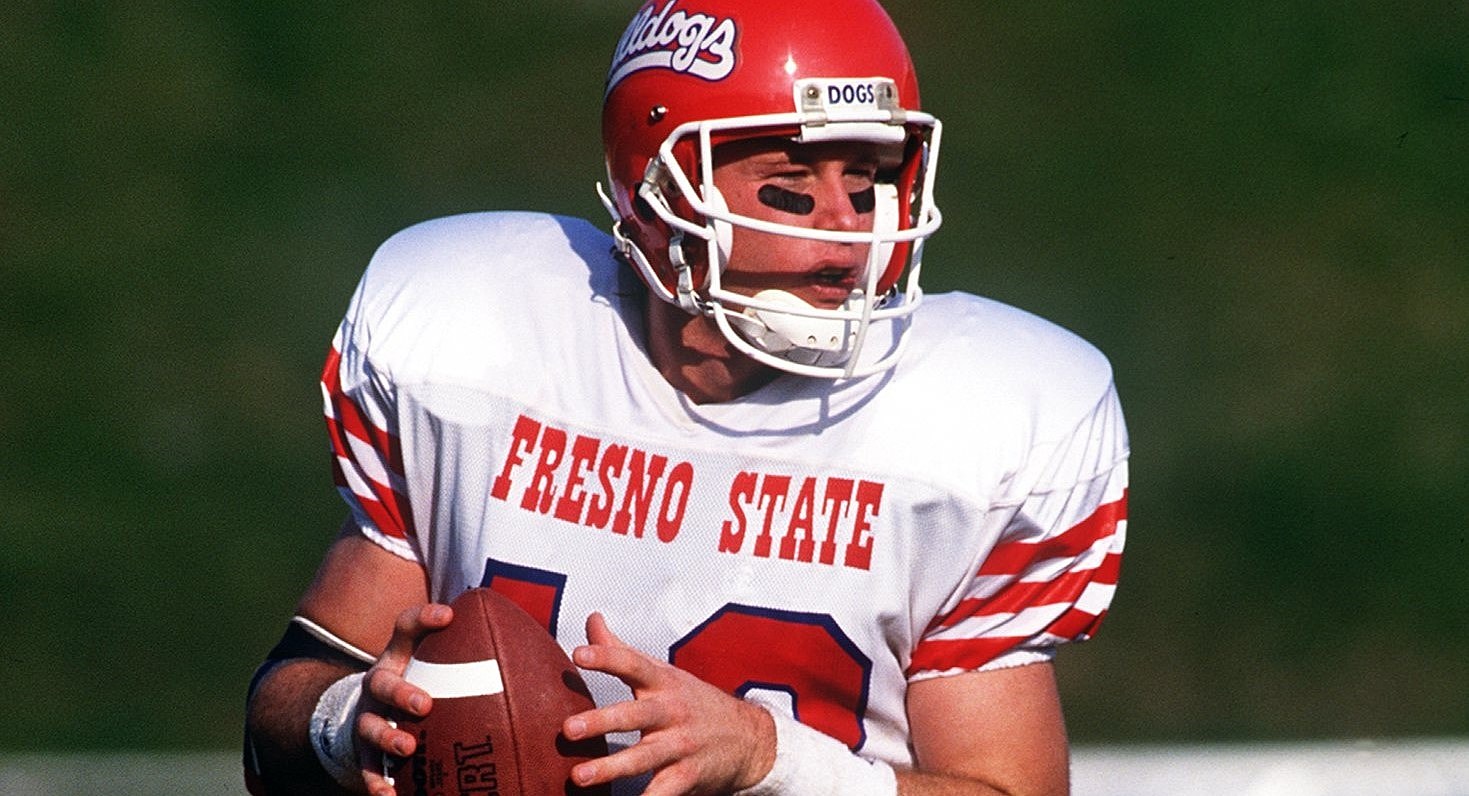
(1257, 209)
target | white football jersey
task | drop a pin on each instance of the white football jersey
(816, 545)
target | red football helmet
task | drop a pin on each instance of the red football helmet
(689, 75)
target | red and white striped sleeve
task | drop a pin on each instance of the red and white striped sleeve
(1050, 578)
(367, 456)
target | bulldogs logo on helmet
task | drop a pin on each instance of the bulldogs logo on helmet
(694, 44)
(689, 75)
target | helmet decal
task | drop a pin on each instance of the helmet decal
(689, 43)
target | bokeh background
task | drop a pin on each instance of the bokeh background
(1258, 209)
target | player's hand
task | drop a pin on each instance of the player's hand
(386, 693)
(695, 737)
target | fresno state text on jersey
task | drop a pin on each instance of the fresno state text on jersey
(592, 482)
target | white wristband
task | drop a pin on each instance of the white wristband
(810, 763)
(332, 731)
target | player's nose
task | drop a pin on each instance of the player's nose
(835, 210)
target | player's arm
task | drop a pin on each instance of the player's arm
(988, 732)
(984, 733)
(1002, 726)
(368, 602)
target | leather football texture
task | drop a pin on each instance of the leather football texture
(502, 687)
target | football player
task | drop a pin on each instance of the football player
(808, 529)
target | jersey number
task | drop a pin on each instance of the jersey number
(804, 658)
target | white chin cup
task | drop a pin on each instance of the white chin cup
(799, 338)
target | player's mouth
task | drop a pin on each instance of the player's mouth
(831, 285)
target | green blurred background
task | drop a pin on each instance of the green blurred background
(1257, 209)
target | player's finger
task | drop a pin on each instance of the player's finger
(624, 663)
(640, 758)
(599, 632)
(409, 627)
(632, 715)
(673, 780)
(380, 736)
(377, 784)
(371, 766)
(605, 652)
(387, 687)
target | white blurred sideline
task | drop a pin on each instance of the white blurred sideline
(1365, 768)
(1378, 768)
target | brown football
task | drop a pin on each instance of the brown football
(502, 686)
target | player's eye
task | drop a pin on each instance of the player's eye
(790, 175)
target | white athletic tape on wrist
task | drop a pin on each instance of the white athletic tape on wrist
(332, 730)
(810, 763)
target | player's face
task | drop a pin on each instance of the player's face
(824, 186)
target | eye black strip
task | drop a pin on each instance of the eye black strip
(864, 201)
(786, 201)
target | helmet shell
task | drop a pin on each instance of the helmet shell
(682, 61)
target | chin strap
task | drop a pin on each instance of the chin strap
(686, 298)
